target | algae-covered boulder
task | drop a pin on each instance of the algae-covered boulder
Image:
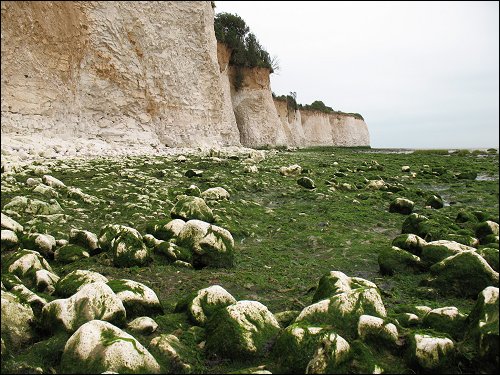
(251, 169)
(409, 242)
(70, 253)
(193, 173)
(395, 260)
(45, 281)
(93, 301)
(45, 244)
(110, 231)
(25, 263)
(143, 324)
(412, 223)
(464, 239)
(129, 250)
(215, 194)
(343, 310)
(9, 239)
(435, 201)
(436, 251)
(204, 303)
(486, 229)
(430, 352)
(210, 245)
(174, 252)
(482, 325)
(85, 239)
(292, 170)
(192, 208)
(402, 206)
(464, 216)
(332, 352)
(76, 280)
(8, 223)
(465, 274)
(46, 190)
(32, 206)
(151, 241)
(137, 298)
(27, 296)
(53, 182)
(466, 175)
(175, 356)
(242, 330)
(491, 240)
(193, 190)
(306, 182)
(167, 229)
(447, 320)
(296, 345)
(422, 226)
(376, 185)
(10, 280)
(336, 282)
(98, 347)
(376, 330)
(408, 319)
(490, 255)
(17, 319)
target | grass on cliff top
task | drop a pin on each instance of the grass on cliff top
(286, 237)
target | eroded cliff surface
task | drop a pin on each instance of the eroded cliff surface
(291, 122)
(256, 115)
(148, 74)
(117, 71)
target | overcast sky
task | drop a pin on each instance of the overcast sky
(422, 74)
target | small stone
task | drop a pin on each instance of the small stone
(216, 194)
(143, 324)
(53, 182)
(292, 170)
(435, 201)
(306, 182)
(401, 205)
(193, 173)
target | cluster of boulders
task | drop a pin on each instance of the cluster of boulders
(346, 323)
(189, 238)
(463, 267)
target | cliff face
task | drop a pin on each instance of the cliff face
(121, 71)
(291, 122)
(305, 128)
(333, 129)
(142, 73)
(256, 115)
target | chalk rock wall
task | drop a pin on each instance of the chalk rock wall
(140, 75)
(256, 115)
(291, 122)
(134, 72)
(333, 129)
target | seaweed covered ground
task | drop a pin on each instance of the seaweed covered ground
(286, 236)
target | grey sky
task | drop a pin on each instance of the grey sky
(423, 74)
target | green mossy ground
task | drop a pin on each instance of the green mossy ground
(286, 237)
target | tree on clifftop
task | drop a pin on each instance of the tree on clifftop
(232, 30)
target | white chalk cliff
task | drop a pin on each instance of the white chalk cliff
(141, 73)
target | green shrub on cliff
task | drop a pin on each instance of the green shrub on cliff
(232, 30)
